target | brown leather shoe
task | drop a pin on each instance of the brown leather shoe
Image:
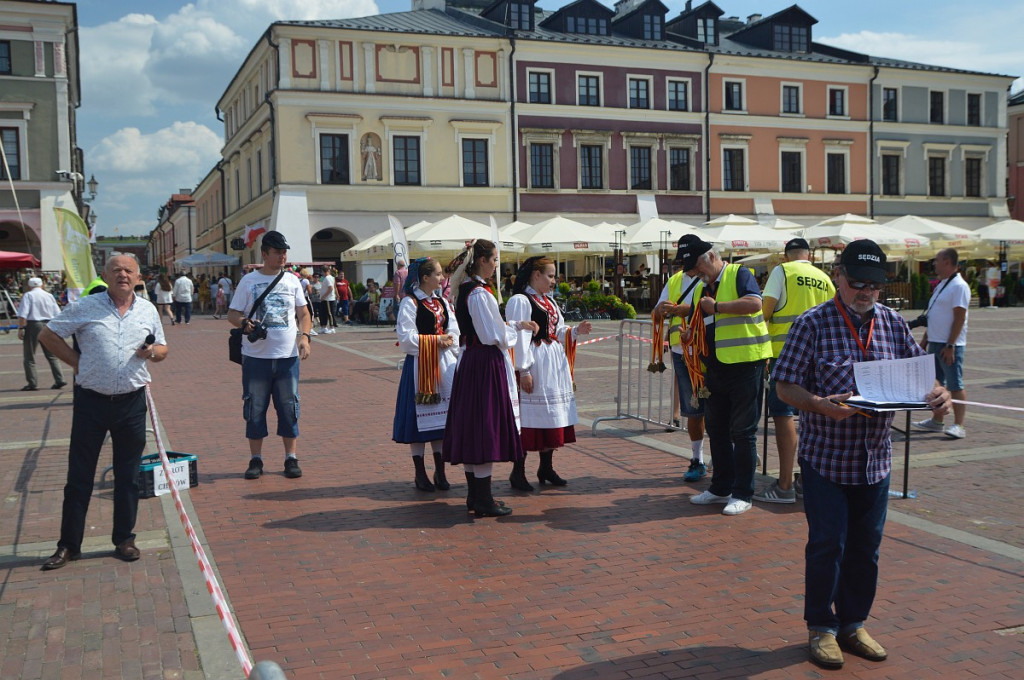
(127, 551)
(60, 558)
(863, 645)
(825, 650)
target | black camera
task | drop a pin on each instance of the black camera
(258, 332)
(919, 321)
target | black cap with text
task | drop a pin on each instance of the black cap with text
(864, 261)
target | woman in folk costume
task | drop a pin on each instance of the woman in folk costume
(429, 335)
(483, 419)
(547, 404)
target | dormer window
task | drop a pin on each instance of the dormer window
(790, 38)
(586, 25)
(520, 16)
(653, 25)
(706, 30)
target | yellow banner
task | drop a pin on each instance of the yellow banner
(74, 242)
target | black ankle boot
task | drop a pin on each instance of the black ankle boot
(546, 473)
(483, 502)
(440, 481)
(422, 481)
(471, 491)
(518, 479)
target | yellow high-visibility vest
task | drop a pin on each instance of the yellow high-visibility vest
(738, 337)
(806, 287)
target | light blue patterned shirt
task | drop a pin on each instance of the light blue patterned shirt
(108, 341)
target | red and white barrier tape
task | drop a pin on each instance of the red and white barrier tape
(204, 564)
(590, 342)
(984, 405)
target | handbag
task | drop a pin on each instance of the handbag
(235, 334)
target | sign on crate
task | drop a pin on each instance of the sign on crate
(179, 474)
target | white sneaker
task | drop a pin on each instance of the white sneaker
(929, 425)
(312, 331)
(736, 507)
(955, 431)
(707, 498)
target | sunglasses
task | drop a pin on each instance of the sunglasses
(861, 285)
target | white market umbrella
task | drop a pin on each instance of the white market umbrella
(942, 235)
(208, 259)
(452, 234)
(778, 223)
(1010, 231)
(651, 235)
(838, 232)
(562, 235)
(744, 236)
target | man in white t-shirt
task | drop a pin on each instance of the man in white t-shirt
(270, 365)
(328, 302)
(946, 338)
(182, 296)
(227, 286)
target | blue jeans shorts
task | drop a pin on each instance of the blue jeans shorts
(777, 407)
(950, 377)
(686, 408)
(266, 379)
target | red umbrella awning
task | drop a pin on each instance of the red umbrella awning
(12, 260)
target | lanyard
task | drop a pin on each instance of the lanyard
(856, 335)
(939, 292)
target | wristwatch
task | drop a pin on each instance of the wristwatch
(949, 345)
(308, 336)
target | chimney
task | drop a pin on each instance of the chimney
(754, 17)
(689, 5)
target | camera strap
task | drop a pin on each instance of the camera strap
(264, 294)
(939, 292)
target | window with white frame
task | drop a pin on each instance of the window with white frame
(591, 166)
(791, 96)
(837, 107)
(733, 96)
(890, 104)
(835, 172)
(973, 109)
(521, 16)
(588, 90)
(680, 168)
(652, 26)
(259, 170)
(678, 95)
(892, 174)
(10, 137)
(791, 171)
(937, 107)
(973, 166)
(540, 86)
(734, 171)
(334, 159)
(542, 166)
(640, 168)
(707, 30)
(405, 159)
(639, 93)
(936, 175)
(474, 163)
(790, 38)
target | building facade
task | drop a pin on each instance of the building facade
(176, 233)
(502, 108)
(42, 167)
(1015, 153)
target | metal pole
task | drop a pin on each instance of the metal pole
(906, 457)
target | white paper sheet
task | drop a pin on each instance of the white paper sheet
(895, 381)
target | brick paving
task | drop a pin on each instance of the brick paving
(350, 572)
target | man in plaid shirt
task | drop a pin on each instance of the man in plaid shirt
(844, 455)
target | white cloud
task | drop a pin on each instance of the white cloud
(960, 54)
(184, 148)
(113, 58)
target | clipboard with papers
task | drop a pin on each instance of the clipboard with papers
(893, 384)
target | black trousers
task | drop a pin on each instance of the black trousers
(94, 415)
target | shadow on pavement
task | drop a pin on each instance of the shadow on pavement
(694, 662)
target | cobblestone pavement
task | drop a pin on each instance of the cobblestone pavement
(349, 572)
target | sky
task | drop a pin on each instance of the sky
(152, 72)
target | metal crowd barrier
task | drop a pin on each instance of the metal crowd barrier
(641, 395)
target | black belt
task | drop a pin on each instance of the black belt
(109, 397)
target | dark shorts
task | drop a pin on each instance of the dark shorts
(777, 407)
(950, 377)
(686, 407)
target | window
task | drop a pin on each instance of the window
(836, 101)
(890, 174)
(972, 177)
(790, 38)
(652, 27)
(12, 149)
(679, 169)
(936, 176)
(520, 16)
(248, 176)
(733, 95)
(791, 99)
(259, 170)
(540, 87)
(589, 91)
(591, 162)
(586, 25)
(678, 95)
(937, 107)
(238, 188)
(5, 57)
(835, 167)
(334, 159)
(889, 105)
(406, 159)
(640, 167)
(474, 162)
(639, 93)
(706, 31)
(974, 109)
(732, 169)
(542, 163)
(792, 162)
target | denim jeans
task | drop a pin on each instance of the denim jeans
(950, 377)
(180, 307)
(92, 417)
(263, 379)
(686, 408)
(844, 530)
(731, 416)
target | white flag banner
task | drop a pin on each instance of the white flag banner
(399, 244)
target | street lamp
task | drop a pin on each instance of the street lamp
(93, 186)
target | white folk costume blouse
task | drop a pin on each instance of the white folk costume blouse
(491, 329)
(552, 404)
